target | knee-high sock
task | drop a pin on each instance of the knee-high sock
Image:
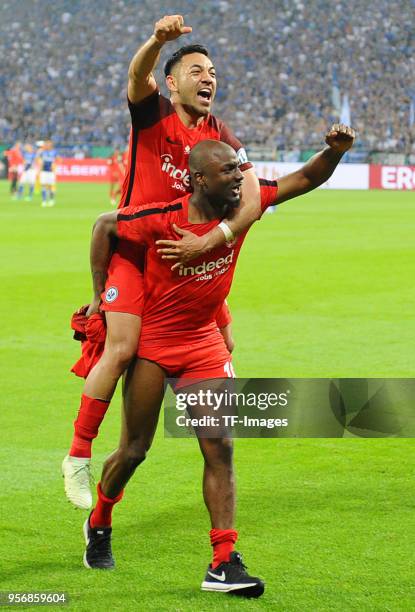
(90, 415)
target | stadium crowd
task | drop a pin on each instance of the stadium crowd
(281, 66)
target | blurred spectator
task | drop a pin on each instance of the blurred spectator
(63, 68)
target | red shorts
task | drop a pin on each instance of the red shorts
(201, 360)
(124, 289)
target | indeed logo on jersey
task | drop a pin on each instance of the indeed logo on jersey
(208, 269)
(181, 174)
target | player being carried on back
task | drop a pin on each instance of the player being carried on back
(179, 337)
(163, 133)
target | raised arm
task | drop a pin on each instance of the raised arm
(141, 81)
(314, 173)
(320, 167)
(102, 244)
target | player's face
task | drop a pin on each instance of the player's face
(223, 180)
(195, 83)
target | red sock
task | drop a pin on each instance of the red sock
(223, 541)
(101, 514)
(90, 415)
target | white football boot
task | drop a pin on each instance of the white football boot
(77, 477)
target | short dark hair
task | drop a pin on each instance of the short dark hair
(177, 56)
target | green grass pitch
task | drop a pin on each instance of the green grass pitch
(324, 288)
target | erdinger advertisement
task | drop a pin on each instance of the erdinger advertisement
(392, 177)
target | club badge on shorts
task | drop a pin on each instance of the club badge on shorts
(111, 295)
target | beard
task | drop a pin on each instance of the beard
(195, 111)
(223, 207)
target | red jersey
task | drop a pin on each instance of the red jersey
(158, 160)
(14, 157)
(181, 305)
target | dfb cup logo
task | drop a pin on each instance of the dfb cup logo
(111, 295)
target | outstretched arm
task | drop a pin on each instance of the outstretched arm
(320, 167)
(141, 81)
(314, 173)
(102, 243)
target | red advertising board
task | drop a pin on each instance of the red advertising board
(82, 170)
(97, 170)
(392, 177)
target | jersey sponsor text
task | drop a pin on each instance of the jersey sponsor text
(181, 174)
(218, 266)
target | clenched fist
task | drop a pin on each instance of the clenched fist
(340, 137)
(170, 28)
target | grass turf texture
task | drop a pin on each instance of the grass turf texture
(323, 289)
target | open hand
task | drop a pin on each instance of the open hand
(340, 137)
(189, 247)
(170, 28)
